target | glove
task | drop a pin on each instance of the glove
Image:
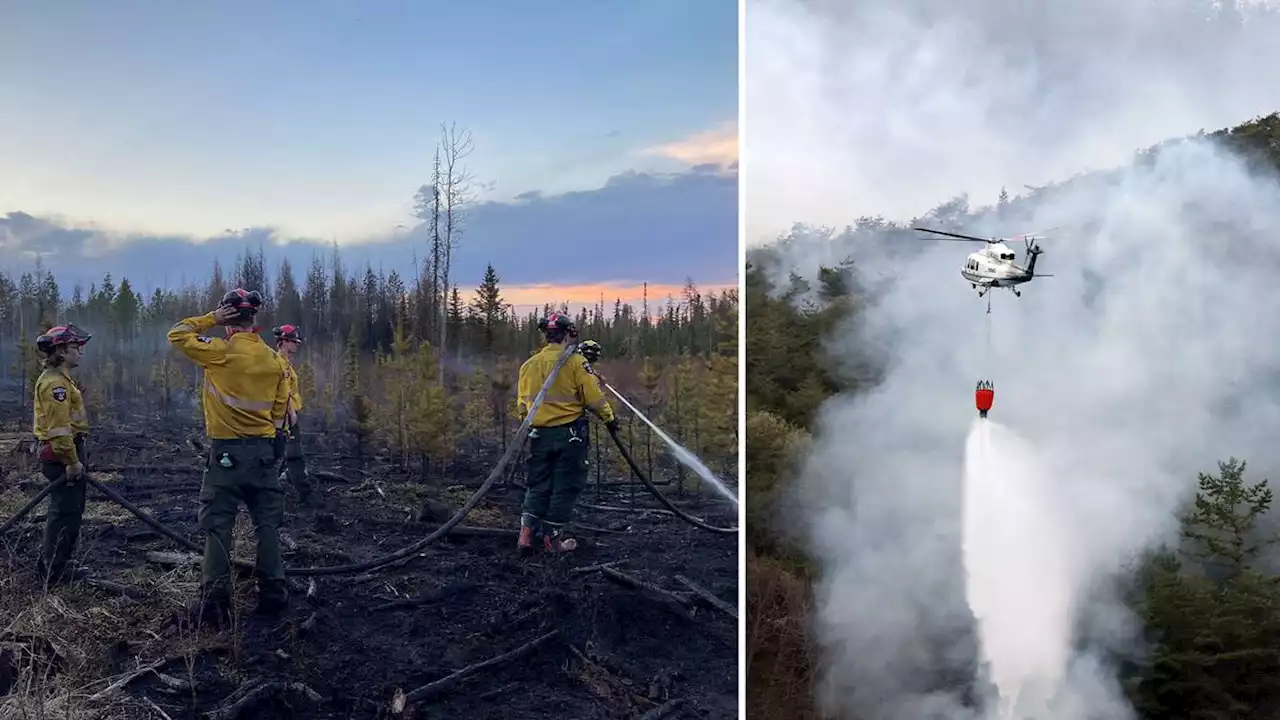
(612, 425)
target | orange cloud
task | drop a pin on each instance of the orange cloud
(718, 146)
(527, 298)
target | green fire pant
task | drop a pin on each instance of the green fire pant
(251, 479)
(557, 466)
(65, 516)
(295, 464)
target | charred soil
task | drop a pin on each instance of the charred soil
(630, 638)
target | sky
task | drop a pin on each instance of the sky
(893, 108)
(318, 120)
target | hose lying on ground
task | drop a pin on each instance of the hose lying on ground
(626, 454)
(32, 503)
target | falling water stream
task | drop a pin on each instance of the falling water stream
(1018, 583)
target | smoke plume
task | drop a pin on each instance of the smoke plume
(1145, 359)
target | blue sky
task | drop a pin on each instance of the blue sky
(319, 118)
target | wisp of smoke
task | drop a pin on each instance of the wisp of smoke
(1144, 360)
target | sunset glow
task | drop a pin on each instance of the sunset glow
(527, 298)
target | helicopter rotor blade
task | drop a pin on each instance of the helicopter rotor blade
(955, 236)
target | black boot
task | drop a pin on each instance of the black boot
(273, 598)
(212, 610)
(60, 573)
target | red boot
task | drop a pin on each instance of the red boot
(525, 544)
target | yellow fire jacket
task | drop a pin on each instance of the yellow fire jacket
(295, 388)
(574, 390)
(245, 385)
(59, 413)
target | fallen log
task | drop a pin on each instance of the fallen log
(664, 709)
(128, 678)
(596, 566)
(709, 597)
(250, 694)
(173, 685)
(596, 529)
(636, 510)
(667, 599)
(428, 597)
(127, 590)
(171, 559)
(474, 531)
(402, 700)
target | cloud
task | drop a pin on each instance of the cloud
(866, 107)
(638, 227)
(718, 146)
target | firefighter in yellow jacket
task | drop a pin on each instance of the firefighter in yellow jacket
(244, 393)
(558, 437)
(288, 338)
(60, 426)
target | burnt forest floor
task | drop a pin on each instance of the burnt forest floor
(75, 651)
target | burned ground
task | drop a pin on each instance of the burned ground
(351, 643)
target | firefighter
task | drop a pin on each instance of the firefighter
(557, 462)
(60, 426)
(245, 393)
(287, 341)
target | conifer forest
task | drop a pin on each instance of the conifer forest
(408, 380)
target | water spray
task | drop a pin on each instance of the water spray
(1017, 580)
(686, 458)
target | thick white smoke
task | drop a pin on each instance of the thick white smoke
(860, 107)
(1146, 358)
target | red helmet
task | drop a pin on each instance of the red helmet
(60, 335)
(287, 332)
(246, 301)
(558, 321)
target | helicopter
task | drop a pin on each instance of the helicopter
(995, 266)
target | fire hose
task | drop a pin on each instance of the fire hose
(32, 503)
(409, 550)
(635, 467)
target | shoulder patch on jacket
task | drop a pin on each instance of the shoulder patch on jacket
(60, 394)
(204, 339)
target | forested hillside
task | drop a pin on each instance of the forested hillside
(1209, 606)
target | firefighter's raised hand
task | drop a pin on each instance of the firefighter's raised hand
(225, 314)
